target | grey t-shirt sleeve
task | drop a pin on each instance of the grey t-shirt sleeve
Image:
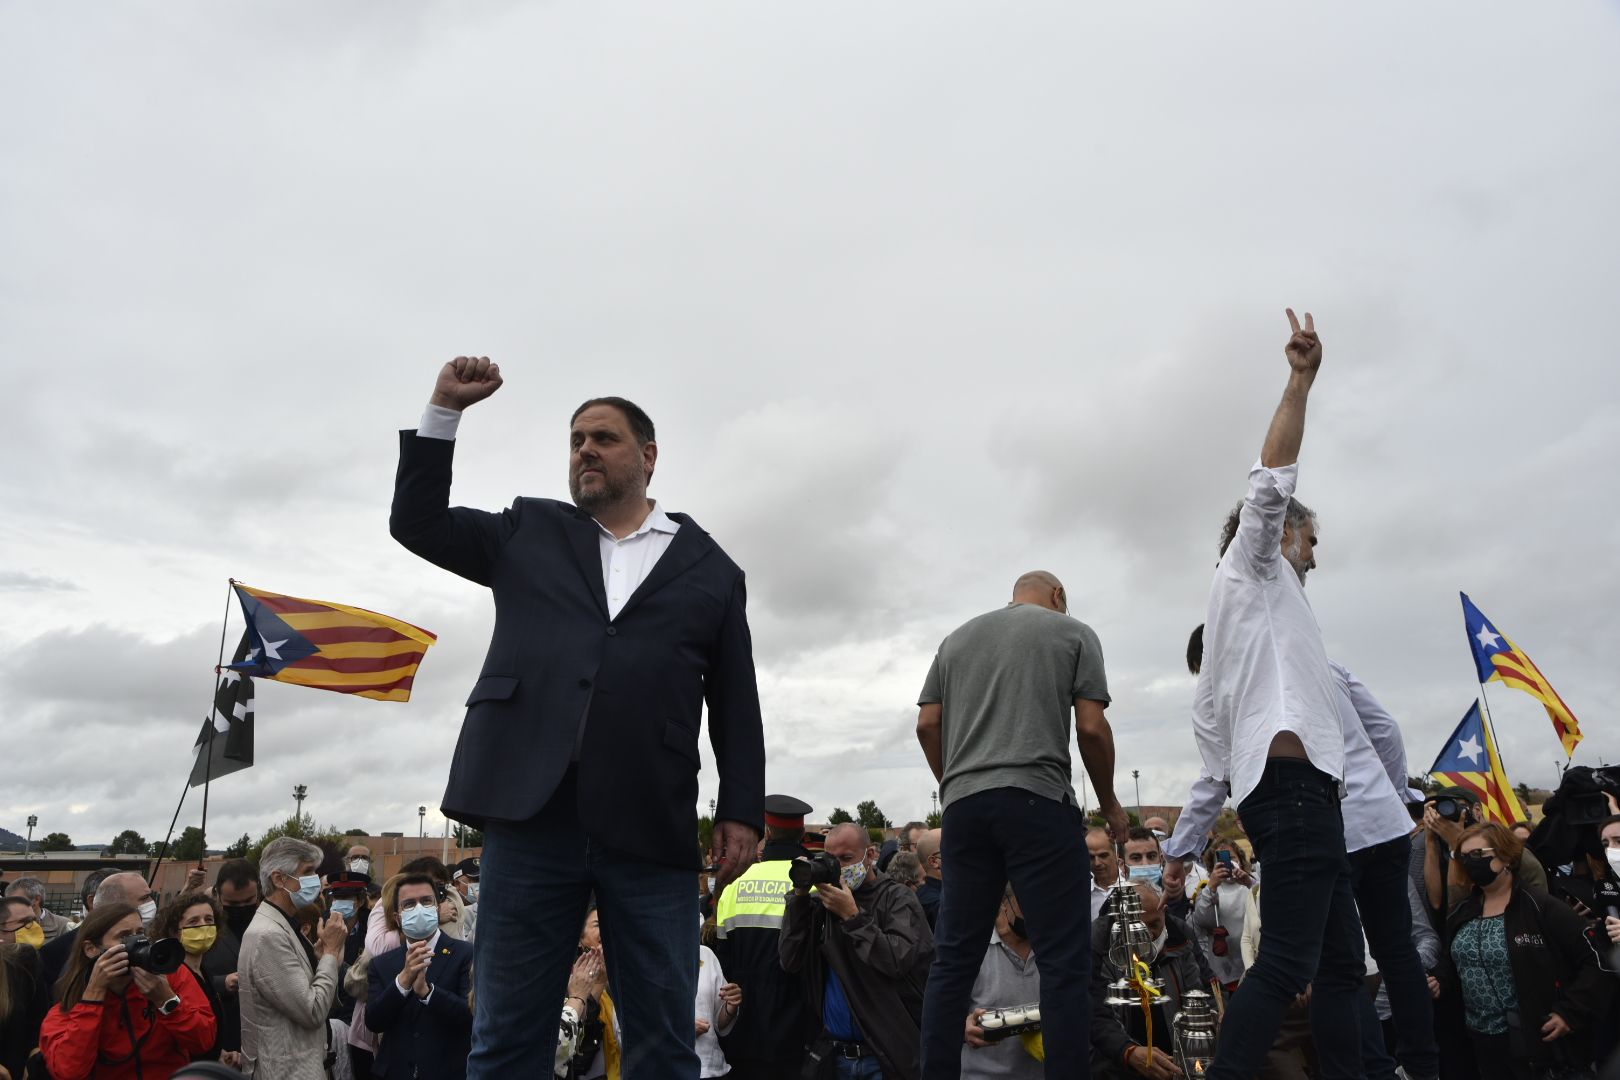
(1090, 681)
(931, 690)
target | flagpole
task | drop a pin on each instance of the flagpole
(163, 852)
(208, 748)
(1490, 735)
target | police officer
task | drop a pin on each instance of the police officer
(769, 1038)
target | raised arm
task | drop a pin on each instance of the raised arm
(1304, 352)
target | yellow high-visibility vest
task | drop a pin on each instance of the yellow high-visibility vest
(757, 899)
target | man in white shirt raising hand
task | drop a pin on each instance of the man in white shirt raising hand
(1266, 720)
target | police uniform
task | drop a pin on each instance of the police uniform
(775, 1022)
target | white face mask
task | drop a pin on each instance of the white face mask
(360, 865)
(1614, 859)
(148, 911)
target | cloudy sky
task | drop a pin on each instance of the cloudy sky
(920, 295)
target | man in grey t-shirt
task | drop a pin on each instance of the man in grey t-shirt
(994, 726)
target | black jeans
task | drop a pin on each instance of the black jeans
(1309, 932)
(1039, 845)
(1378, 876)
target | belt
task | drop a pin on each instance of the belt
(852, 1051)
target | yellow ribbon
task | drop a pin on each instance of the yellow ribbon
(1141, 976)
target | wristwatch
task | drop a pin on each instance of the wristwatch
(168, 1007)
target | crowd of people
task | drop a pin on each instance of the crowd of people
(1343, 925)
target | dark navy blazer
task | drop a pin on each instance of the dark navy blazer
(422, 1040)
(639, 681)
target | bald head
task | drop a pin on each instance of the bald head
(928, 853)
(850, 830)
(1042, 588)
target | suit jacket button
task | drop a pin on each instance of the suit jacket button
(612, 630)
(584, 684)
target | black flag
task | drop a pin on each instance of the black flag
(225, 744)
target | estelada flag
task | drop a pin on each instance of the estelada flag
(1469, 760)
(330, 646)
(1498, 658)
(225, 744)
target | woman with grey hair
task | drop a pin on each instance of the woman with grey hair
(287, 986)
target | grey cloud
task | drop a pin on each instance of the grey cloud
(21, 581)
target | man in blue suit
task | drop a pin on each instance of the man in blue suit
(615, 624)
(418, 993)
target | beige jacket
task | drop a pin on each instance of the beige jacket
(284, 1002)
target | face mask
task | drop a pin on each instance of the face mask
(1479, 870)
(344, 908)
(1158, 944)
(1152, 873)
(32, 934)
(854, 876)
(238, 918)
(198, 939)
(711, 884)
(1613, 855)
(360, 866)
(148, 911)
(1019, 928)
(420, 922)
(472, 890)
(309, 890)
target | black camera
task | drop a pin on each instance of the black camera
(161, 957)
(1449, 808)
(817, 869)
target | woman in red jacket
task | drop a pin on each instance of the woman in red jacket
(114, 1020)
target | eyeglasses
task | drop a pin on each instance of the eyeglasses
(13, 927)
(1487, 852)
(418, 901)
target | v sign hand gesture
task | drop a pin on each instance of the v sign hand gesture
(1304, 348)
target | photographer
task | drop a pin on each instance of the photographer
(117, 1016)
(1528, 977)
(1219, 908)
(1446, 814)
(861, 942)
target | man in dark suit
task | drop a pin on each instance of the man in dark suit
(615, 623)
(417, 995)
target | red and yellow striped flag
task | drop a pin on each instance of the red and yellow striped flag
(329, 646)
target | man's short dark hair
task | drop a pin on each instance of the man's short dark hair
(1298, 514)
(92, 882)
(429, 865)
(1139, 832)
(417, 879)
(236, 873)
(641, 425)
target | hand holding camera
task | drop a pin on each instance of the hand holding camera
(154, 987)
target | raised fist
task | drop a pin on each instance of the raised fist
(465, 381)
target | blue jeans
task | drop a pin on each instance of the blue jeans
(538, 877)
(1310, 935)
(1378, 875)
(866, 1068)
(1039, 845)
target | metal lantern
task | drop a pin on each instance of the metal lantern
(1194, 1028)
(1129, 940)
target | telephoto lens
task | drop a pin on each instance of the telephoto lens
(817, 869)
(161, 957)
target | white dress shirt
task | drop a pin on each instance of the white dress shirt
(625, 563)
(1263, 655)
(1374, 806)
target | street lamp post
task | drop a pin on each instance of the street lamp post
(299, 792)
(1136, 779)
(711, 809)
(28, 849)
(421, 822)
(933, 803)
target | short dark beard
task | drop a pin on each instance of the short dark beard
(608, 494)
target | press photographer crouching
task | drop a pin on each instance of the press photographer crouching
(861, 943)
(1522, 963)
(129, 1007)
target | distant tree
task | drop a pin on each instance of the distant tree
(129, 842)
(868, 814)
(1523, 792)
(189, 846)
(705, 835)
(1426, 784)
(933, 820)
(56, 841)
(838, 816)
(876, 836)
(303, 827)
(240, 847)
(467, 836)
(356, 832)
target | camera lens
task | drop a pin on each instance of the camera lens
(1449, 809)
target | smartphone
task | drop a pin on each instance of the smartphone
(1224, 858)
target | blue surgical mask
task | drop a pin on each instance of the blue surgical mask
(1152, 873)
(344, 908)
(309, 890)
(854, 876)
(420, 922)
(472, 892)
